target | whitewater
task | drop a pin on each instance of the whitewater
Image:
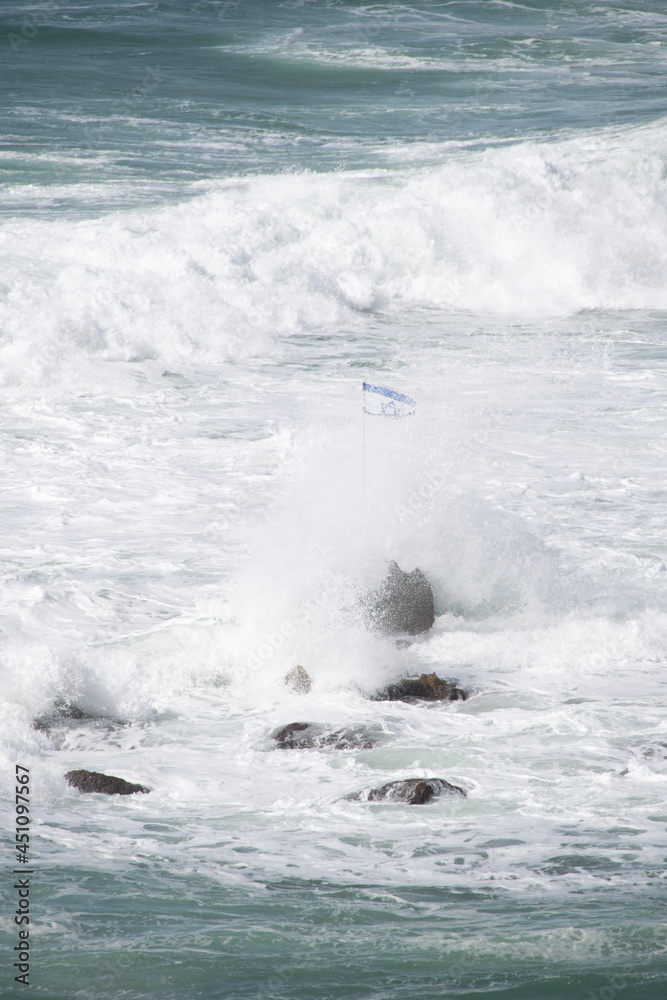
(217, 221)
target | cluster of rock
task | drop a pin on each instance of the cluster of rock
(312, 736)
(402, 606)
(64, 715)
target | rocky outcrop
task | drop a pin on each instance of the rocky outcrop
(298, 679)
(66, 725)
(94, 781)
(412, 791)
(295, 734)
(427, 687)
(310, 736)
(402, 605)
(62, 711)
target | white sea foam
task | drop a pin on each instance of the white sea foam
(533, 230)
(551, 747)
(184, 525)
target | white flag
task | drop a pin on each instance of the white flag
(380, 402)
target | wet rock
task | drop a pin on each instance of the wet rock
(657, 752)
(94, 781)
(292, 734)
(62, 710)
(403, 604)
(310, 736)
(427, 687)
(298, 679)
(68, 726)
(412, 791)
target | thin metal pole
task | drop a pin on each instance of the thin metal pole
(363, 437)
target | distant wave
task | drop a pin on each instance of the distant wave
(535, 229)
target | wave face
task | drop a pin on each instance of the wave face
(217, 220)
(534, 230)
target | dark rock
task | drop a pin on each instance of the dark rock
(287, 735)
(67, 726)
(428, 687)
(349, 739)
(94, 781)
(64, 710)
(413, 791)
(403, 604)
(658, 751)
(298, 679)
(61, 710)
(309, 736)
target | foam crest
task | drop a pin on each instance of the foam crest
(534, 229)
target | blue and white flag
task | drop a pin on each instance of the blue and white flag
(380, 402)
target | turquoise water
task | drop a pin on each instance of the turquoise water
(158, 96)
(315, 939)
(217, 219)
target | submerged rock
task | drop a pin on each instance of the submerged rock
(412, 791)
(94, 781)
(403, 604)
(62, 710)
(309, 736)
(66, 725)
(298, 679)
(291, 735)
(428, 687)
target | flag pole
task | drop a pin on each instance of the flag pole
(363, 439)
(390, 403)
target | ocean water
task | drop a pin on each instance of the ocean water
(217, 219)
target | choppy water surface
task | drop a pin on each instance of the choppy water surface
(218, 219)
